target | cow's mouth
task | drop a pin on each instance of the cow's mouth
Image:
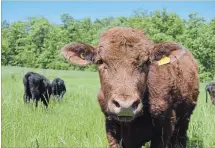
(125, 118)
(122, 118)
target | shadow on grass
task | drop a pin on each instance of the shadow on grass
(195, 142)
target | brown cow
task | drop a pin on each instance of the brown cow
(148, 92)
(211, 89)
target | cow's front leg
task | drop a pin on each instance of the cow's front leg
(113, 133)
(163, 130)
(161, 136)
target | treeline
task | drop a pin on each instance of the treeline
(37, 42)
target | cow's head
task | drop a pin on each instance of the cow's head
(211, 89)
(122, 57)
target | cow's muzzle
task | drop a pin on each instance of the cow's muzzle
(125, 109)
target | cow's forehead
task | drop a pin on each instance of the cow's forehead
(119, 43)
(114, 53)
(121, 36)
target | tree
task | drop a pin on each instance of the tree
(37, 42)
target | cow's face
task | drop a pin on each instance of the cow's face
(122, 57)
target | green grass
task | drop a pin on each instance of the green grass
(77, 120)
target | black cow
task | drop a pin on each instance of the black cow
(211, 89)
(36, 87)
(58, 88)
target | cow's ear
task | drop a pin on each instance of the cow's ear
(163, 49)
(79, 53)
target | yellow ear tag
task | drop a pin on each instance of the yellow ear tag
(164, 60)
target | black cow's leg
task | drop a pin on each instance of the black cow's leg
(162, 130)
(62, 94)
(113, 134)
(182, 132)
(179, 138)
(27, 95)
(160, 137)
(37, 103)
(25, 98)
(45, 100)
(35, 95)
(25, 89)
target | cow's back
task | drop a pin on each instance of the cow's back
(37, 82)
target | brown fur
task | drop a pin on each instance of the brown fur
(163, 97)
(173, 92)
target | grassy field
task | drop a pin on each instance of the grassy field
(77, 120)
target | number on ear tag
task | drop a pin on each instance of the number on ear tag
(164, 60)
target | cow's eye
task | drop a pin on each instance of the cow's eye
(99, 62)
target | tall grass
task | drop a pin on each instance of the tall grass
(76, 121)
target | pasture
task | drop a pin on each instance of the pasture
(77, 120)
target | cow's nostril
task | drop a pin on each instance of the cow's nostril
(116, 103)
(135, 104)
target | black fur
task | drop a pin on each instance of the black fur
(58, 88)
(36, 87)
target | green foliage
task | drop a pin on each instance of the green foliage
(37, 42)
